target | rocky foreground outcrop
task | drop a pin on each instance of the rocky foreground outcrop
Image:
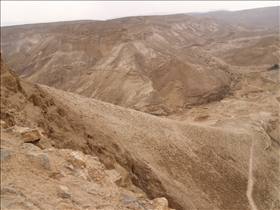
(49, 178)
(35, 174)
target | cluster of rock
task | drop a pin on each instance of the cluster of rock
(35, 175)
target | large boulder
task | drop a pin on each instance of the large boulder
(77, 158)
(43, 143)
(31, 135)
(4, 124)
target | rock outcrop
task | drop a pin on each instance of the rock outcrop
(61, 178)
(46, 179)
(31, 135)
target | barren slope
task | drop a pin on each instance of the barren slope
(138, 62)
(152, 64)
(35, 175)
(194, 165)
(267, 17)
(197, 166)
(220, 155)
(263, 51)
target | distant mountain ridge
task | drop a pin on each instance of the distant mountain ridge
(153, 64)
(5, 24)
(137, 62)
(260, 17)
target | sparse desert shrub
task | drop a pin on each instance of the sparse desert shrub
(275, 66)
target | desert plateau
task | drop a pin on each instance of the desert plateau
(146, 113)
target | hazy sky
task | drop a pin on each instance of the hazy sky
(51, 11)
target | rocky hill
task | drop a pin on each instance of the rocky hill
(263, 50)
(148, 63)
(139, 62)
(267, 17)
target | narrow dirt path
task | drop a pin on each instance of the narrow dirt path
(250, 179)
(253, 85)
